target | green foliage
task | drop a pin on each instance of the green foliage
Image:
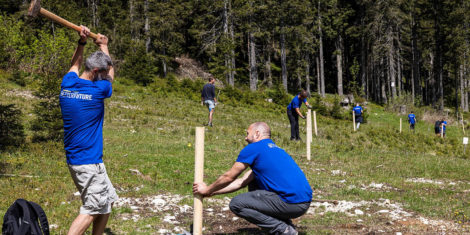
(18, 77)
(279, 95)
(139, 66)
(11, 128)
(336, 111)
(47, 124)
(318, 105)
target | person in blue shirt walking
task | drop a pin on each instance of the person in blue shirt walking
(82, 105)
(278, 190)
(412, 120)
(208, 98)
(358, 115)
(293, 113)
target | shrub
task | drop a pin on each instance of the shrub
(336, 110)
(11, 128)
(139, 66)
(48, 122)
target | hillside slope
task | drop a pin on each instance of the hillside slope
(383, 180)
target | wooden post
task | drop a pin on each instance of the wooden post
(400, 125)
(463, 127)
(354, 121)
(198, 177)
(442, 131)
(309, 133)
(315, 122)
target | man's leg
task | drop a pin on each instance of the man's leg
(99, 224)
(292, 124)
(266, 210)
(81, 224)
(296, 118)
(211, 113)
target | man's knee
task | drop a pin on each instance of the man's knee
(236, 205)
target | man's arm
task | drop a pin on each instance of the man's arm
(299, 113)
(224, 180)
(78, 55)
(102, 42)
(236, 184)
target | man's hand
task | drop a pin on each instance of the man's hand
(102, 40)
(303, 117)
(84, 32)
(200, 188)
(309, 107)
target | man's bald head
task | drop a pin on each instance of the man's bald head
(257, 131)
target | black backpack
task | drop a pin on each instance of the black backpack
(437, 124)
(24, 217)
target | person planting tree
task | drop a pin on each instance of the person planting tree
(293, 113)
(278, 189)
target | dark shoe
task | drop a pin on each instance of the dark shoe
(290, 231)
(210, 124)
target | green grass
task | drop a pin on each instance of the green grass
(149, 130)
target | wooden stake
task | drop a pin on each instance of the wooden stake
(354, 121)
(309, 133)
(400, 125)
(463, 127)
(198, 177)
(442, 131)
(315, 122)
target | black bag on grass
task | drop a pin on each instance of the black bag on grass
(25, 217)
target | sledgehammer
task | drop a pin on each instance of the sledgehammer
(36, 9)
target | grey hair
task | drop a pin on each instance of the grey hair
(263, 128)
(98, 60)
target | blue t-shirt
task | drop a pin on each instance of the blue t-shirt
(276, 171)
(411, 118)
(444, 125)
(82, 106)
(357, 110)
(296, 103)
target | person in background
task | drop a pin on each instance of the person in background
(412, 120)
(443, 127)
(358, 115)
(208, 98)
(293, 113)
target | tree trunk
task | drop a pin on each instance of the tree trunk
(432, 81)
(226, 33)
(147, 27)
(322, 73)
(268, 72)
(415, 56)
(232, 51)
(299, 81)
(339, 66)
(252, 58)
(462, 88)
(131, 19)
(283, 61)
(318, 75)
(363, 62)
(391, 65)
(383, 82)
(164, 63)
(307, 72)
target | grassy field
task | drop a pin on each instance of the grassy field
(152, 132)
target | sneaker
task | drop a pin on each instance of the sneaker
(210, 124)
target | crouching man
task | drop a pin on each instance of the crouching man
(278, 189)
(82, 104)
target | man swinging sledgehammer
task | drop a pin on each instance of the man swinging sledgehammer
(82, 105)
(278, 189)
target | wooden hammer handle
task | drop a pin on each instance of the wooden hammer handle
(63, 21)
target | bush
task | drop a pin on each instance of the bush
(48, 122)
(11, 128)
(139, 66)
(318, 105)
(336, 110)
(279, 95)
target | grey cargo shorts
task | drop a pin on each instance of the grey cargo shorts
(95, 188)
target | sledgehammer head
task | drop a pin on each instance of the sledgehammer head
(34, 8)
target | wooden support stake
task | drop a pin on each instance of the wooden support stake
(315, 122)
(442, 131)
(400, 125)
(354, 121)
(309, 133)
(198, 177)
(463, 127)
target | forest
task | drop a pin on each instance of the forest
(383, 51)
